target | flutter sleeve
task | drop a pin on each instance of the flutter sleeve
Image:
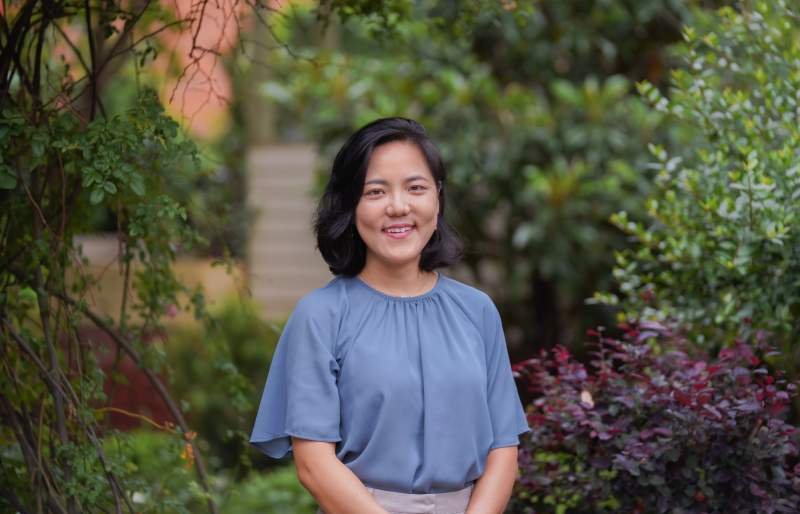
(301, 396)
(505, 407)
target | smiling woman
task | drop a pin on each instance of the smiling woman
(398, 212)
(392, 384)
(389, 172)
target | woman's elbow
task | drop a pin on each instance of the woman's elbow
(301, 472)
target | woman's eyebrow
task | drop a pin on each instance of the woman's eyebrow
(384, 182)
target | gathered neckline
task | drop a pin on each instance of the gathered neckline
(387, 296)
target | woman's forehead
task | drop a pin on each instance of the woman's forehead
(398, 161)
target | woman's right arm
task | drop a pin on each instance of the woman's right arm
(335, 487)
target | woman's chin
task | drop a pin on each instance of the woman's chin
(395, 259)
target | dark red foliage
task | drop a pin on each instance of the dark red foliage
(650, 428)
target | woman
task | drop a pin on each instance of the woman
(392, 384)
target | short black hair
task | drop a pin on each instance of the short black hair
(334, 222)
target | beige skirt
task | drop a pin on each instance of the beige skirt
(454, 502)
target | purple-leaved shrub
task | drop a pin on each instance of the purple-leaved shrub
(651, 427)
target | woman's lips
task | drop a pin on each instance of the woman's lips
(400, 235)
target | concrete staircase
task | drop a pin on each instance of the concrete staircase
(283, 263)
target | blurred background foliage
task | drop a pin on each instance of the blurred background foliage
(535, 109)
(219, 403)
(277, 491)
(160, 481)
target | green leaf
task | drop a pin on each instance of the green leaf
(97, 196)
(137, 184)
(37, 148)
(27, 295)
(566, 92)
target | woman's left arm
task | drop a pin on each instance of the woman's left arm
(493, 489)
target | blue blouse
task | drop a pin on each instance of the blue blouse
(414, 390)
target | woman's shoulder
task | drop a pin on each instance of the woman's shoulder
(466, 292)
(319, 311)
(471, 297)
(477, 306)
(327, 298)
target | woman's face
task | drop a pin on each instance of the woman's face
(399, 205)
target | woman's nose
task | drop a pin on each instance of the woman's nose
(398, 206)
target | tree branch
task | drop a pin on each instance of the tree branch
(17, 34)
(57, 391)
(154, 381)
(92, 59)
(24, 435)
(75, 50)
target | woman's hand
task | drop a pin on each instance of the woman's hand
(493, 489)
(335, 487)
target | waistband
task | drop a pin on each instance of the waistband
(453, 502)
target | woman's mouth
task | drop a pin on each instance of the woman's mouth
(399, 232)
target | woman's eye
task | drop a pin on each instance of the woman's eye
(418, 188)
(373, 192)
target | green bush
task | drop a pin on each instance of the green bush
(147, 454)
(48, 298)
(720, 246)
(156, 472)
(220, 402)
(277, 491)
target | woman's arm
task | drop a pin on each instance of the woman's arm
(493, 489)
(335, 487)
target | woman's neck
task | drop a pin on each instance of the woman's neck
(398, 281)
